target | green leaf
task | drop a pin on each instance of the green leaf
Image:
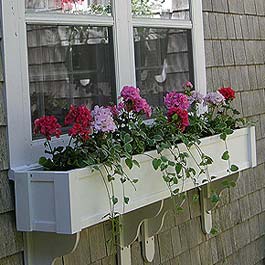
(126, 200)
(42, 160)
(123, 180)
(128, 148)
(166, 178)
(232, 184)
(158, 138)
(228, 131)
(234, 168)
(164, 158)
(96, 168)
(165, 145)
(176, 191)
(179, 209)
(59, 149)
(129, 163)
(178, 168)
(156, 163)
(195, 197)
(135, 180)
(229, 184)
(215, 198)
(226, 155)
(163, 166)
(127, 138)
(136, 163)
(214, 231)
(171, 163)
(223, 136)
(110, 178)
(114, 200)
(175, 180)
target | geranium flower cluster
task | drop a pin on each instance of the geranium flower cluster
(228, 93)
(214, 99)
(48, 126)
(219, 98)
(177, 105)
(103, 120)
(81, 120)
(196, 97)
(175, 99)
(133, 102)
(84, 122)
(121, 126)
(70, 4)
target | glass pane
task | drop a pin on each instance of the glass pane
(165, 9)
(163, 61)
(92, 7)
(69, 65)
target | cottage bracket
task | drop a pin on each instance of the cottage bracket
(43, 248)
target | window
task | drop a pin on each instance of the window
(69, 65)
(59, 52)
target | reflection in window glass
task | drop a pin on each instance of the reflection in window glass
(163, 61)
(165, 9)
(92, 7)
(69, 65)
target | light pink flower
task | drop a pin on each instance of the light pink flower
(103, 120)
(214, 98)
(196, 97)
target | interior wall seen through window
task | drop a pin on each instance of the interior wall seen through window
(165, 9)
(163, 61)
(97, 7)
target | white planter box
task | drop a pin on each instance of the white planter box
(67, 202)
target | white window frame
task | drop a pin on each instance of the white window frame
(23, 151)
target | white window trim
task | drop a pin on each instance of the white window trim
(23, 151)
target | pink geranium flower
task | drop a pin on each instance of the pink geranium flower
(132, 101)
(175, 99)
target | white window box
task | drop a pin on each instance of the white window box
(67, 202)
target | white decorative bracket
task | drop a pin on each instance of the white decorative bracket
(43, 248)
(206, 203)
(131, 227)
(145, 223)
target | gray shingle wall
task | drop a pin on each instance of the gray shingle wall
(235, 55)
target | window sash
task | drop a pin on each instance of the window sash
(66, 19)
(24, 151)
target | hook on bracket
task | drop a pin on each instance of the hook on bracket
(207, 205)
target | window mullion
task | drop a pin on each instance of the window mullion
(162, 23)
(123, 43)
(198, 46)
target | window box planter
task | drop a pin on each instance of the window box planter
(67, 202)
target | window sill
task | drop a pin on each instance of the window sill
(67, 202)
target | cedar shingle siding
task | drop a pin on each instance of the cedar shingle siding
(235, 55)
